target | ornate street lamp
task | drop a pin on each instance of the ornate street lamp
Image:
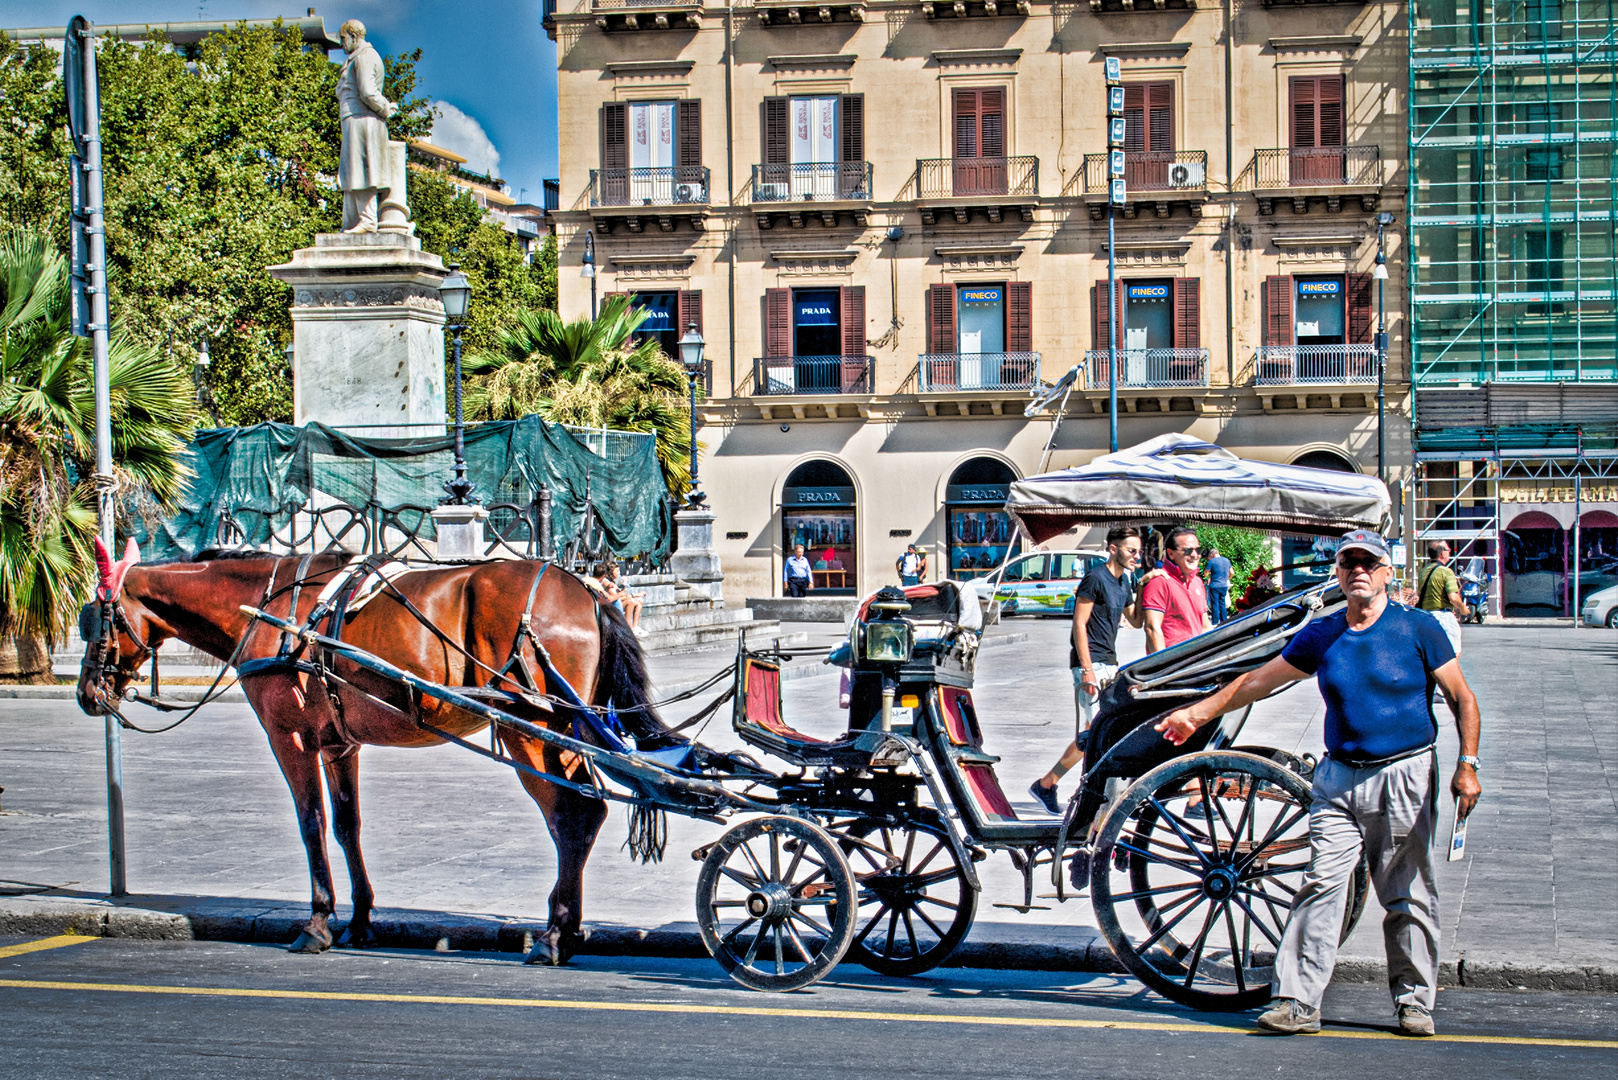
(691, 358)
(589, 270)
(455, 293)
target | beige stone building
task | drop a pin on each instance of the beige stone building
(889, 222)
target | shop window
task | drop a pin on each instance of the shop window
(818, 511)
(980, 533)
(669, 313)
(1318, 316)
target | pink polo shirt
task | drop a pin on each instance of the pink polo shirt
(1184, 604)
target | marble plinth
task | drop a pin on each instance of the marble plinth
(368, 333)
(694, 560)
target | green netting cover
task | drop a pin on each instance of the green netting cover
(261, 476)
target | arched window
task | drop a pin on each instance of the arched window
(979, 530)
(818, 512)
(1326, 459)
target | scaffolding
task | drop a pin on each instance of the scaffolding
(1513, 197)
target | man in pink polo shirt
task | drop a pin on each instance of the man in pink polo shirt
(1176, 603)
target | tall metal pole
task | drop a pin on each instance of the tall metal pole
(105, 481)
(1381, 359)
(1112, 325)
(460, 489)
(691, 382)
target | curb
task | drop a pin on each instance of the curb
(276, 922)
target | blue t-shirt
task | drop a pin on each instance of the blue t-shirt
(1375, 681)
(1218, 572)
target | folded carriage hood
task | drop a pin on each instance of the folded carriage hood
(1177, 476)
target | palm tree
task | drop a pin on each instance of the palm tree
(591, 373)
(47, 439)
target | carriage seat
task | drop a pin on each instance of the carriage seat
(758, 719)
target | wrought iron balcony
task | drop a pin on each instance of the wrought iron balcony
(778, 375)
(674, 185)
(1168, 170)
(826, 181)
(977, 177)
(1318, 166)
(1147, 369)
(647, 14)
(978, 371)
(1337, 365)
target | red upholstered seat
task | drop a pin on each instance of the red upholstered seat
(763, 689)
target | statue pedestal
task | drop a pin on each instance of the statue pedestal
(368, 333)
(460, 532)
(694, 559)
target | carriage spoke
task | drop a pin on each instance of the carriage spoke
(797, 943)
(780, 952)
(1166, 927)
(1166, 842)
(1258, 922)
(1152, 856)
(1281, 826)
(806, 882)
(893, 932)
(1202, 939)
(919, 867)
(1271, 871)
(752, 950)
(1237, 953)
(729, 903)
(1157, 890)
(1208, 814)
(1247, 813)
(775, 860)
(871, 925)
(922, 915)
(1175, 823)
(1219, 806)
(792, 867)
(737, 929)
(925, 899)
(823, 931)
(937, 877)
(910, 932)
(752, 860)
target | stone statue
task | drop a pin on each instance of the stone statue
(371, 170)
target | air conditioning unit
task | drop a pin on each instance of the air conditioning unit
(774, 192)
(690, 193)
(1188, 174)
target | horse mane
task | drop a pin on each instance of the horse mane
(240, 554)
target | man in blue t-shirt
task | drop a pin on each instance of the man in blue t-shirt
(1376, 789)
(1218, 585)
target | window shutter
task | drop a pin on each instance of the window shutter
(1187, 313)
(853, 320)
(1278, 310)
(615, 135)
(1329, 108)
(1135, 118)
(966, 123)
(1360, 319)
(690, 134)
(777, 322)
(777, 131)
(1304, 125)
(1099, 325)
(690, 311)
(1160, 106)
(941, 319)
(852, 107)
(992, 122)
(1020, 316)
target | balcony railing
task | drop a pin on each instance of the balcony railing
(673, 185)
(1147, 369)
(1291, 365)
(1168, 170)
(956, 178)
(813, 375)
(978, 371)
(825, 181)
(1319, 166)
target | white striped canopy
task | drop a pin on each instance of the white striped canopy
(1181, 478)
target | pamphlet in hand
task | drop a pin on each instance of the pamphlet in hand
(1457, 839)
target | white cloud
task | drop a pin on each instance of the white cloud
(458, 132)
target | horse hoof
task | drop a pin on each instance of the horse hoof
(545, 952)
(309, 943)
(356, 936)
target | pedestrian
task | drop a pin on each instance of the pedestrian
(1375, 791)
(1438, 591)
(1176, 604)
(797, 576)
(614, 591)
(912, 566)
(1106, 596)
(1218, 585)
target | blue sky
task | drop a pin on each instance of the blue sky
(488, 61)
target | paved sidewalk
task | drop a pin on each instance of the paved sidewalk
(447, 833)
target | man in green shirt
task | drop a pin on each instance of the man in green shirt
(1438, 591)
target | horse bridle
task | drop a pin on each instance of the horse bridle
(97, 620)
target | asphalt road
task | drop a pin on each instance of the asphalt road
(110, 1007)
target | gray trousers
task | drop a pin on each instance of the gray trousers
(1389, 813)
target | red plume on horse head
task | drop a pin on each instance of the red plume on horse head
(110, 575)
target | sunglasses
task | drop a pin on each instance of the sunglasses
(1188, 551)
(1365, 562)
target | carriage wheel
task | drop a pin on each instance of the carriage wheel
(1193, 874)
(915, 903)
(775, 903)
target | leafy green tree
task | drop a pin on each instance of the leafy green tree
(588, 373)
(47, 438)
(1247, 550)
(33, 139)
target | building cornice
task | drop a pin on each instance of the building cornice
(1334, 43)
(642, 68)
(976, 57)
(1144, 48)
(812, 61)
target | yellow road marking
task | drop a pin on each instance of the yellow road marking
(760, 1010)
(44, 943)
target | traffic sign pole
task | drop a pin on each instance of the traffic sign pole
(1116, 193)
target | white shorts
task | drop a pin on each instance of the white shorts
(1084, 704)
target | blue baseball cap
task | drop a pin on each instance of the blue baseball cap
(1365, 540)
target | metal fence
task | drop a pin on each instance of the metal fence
(1168, 170)
(1145, 369)
(953, 178)
(978, 371)
(1287, 365)
(1318, 166)
(823, 181)
(813, 375)
(672, 185)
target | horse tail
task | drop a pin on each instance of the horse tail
(622, 677)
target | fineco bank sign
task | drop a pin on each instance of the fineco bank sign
(980, 296)
(1148, 292)
(1319, 288)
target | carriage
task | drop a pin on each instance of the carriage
(868, 846)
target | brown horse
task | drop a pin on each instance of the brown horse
(316, 723)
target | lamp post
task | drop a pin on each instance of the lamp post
(1117, 193)
(589, 270)
(455, 292)
(691, 357)
(1380, 275)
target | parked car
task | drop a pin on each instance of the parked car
(1039, 583)
(1601, 608)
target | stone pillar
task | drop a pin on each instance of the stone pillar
(368, 333)
(460, 532)
(695, 561)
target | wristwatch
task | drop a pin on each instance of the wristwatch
(1468, 759)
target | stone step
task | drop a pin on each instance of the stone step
(685, 620)
(759, 634)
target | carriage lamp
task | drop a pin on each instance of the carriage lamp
(691, 359)
(889, 641)
(454, 293)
